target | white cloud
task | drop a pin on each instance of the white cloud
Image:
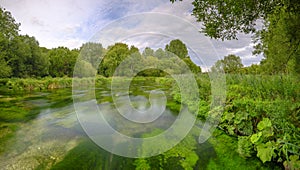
(51, 22)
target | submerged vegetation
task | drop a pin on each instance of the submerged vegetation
(259, 129)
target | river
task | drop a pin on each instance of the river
(40, 130)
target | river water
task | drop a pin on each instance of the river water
(53, 138)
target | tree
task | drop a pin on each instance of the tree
(8, 26)
(84, 69)
(92, 53)
(148, 52)
(8, 31)
(281, 44)
(152, 62)
(131, 64)
(230, 64)
(5, 70)
(193, 67)
(114, 56)
(160, 53)
(217, 67)
(253, 69)
(224, 19)
(278, 39)
(20, 55)
(62, 61)
(178, 48)
(26, 58)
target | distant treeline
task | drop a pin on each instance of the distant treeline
(22, 57)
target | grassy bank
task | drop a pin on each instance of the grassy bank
(32, 84)
(48, 83)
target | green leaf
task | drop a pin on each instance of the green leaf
(245, 147)
(293, 163)
(230, 129)
(229, 116)
(255, 137)
(265, 151)
(240, 116)
(265, 123)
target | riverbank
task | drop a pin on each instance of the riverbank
(48, 83)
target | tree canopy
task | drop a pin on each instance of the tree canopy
(21, 56)
(230, 64)
(178, 48)
(133, 61)
(278, 39)
(225, 19)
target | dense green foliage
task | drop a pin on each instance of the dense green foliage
(224, 19)
(262, 112)
(178, 48)
(280, 43)
(160, 62)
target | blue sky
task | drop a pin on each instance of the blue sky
(72, 22)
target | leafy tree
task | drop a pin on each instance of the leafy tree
(8, 26)
(62, 61)
(217, 67)
(5, 70)
(225, 19)
(148, 52)
(114, 56)
(230, 64)
(193, 67)
(279, 38)
(134, 50)
(20, 55)
(253, 69)
(160, 53)
(27, 59)
(92, 53)
(152, 62)
(131, 64)
(84, 69)
(281, 43)
(178, 48)
(8, 31)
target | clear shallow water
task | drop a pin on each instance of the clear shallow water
(47, 138)
(52, 138)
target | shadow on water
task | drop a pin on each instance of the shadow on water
(88, 155)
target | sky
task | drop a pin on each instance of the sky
(140, 23)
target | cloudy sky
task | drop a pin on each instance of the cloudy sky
(72, 22)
